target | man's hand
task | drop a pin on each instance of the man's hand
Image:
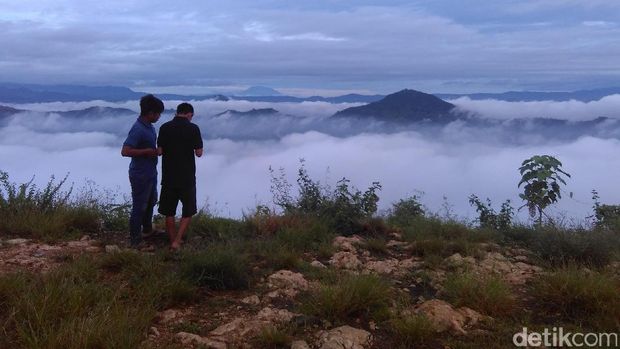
(151, 153)
(133, 152)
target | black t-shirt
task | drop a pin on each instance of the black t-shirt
(178, 139)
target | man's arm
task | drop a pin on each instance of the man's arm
(133, 152)
(198, 142)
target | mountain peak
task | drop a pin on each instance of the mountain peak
(260, 91)
(404, 106)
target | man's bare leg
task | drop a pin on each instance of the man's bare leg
(171, 228)
(176, 244)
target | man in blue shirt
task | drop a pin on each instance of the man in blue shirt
(141, 146)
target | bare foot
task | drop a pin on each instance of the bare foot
(175, 246)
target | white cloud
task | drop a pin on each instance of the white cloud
(571, 110)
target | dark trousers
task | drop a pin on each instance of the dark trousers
(144, 198)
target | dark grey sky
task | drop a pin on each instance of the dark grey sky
(345, 45)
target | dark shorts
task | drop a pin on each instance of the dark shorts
(170, 197)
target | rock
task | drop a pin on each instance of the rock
(288, 280)
(238, 329)
(299, 345)
(345, 260)
(274, 315)
(15, 242)
(92, 249)
(168, 316)
(154, 331)
(445, 318)
(344, 337)
(395, 244)
(194, 339)
(317, 264)
(347, 243)
(520, 258)
(112, 249)
(85, 238)
(382, 267)
(252, 300)
(77, 244)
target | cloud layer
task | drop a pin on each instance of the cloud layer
(234, 175)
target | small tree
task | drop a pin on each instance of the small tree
(541, 175)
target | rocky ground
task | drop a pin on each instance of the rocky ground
(231, 319)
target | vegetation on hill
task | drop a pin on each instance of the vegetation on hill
(350, 266)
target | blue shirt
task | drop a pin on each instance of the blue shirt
(142, 136)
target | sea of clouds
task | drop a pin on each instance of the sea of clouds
(234, 176)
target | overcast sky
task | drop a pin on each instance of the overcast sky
(318, 45)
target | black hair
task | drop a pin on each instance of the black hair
(185, 108)
(151, 104)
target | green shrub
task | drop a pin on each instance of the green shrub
(488, 218)
(559, 247)
(376, 246)
(489, 294)
(343, 208)
(581, 296)
(272, 338)
(72, 307)
(411, 331)
(353, 296)
(217, 267)
(217, 228)
(404, 211)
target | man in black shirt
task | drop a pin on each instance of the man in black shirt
(179, 140)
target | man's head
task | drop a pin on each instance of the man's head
(185, 110)
(151, 108)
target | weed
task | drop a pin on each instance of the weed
(489, 294)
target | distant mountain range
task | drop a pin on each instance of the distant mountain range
(532, 96)
(252, 112)
(33, 93)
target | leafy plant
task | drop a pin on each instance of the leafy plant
(542, 176)
(343, 207)
(606, 216)
(487, 216)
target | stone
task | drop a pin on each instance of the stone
(299, 345)
(387, 266)
(520, 258)
(112, 249)
(344, 337)
(347, 243)
(252, 300)
(15, 242)
(317, 264)
(168, 316)
(396, 244)
(445, 318)
(92, 249)
(345, 260)
(77, 244)
(288, 280)
(154, 331)
(194, 339)
(274, 315)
